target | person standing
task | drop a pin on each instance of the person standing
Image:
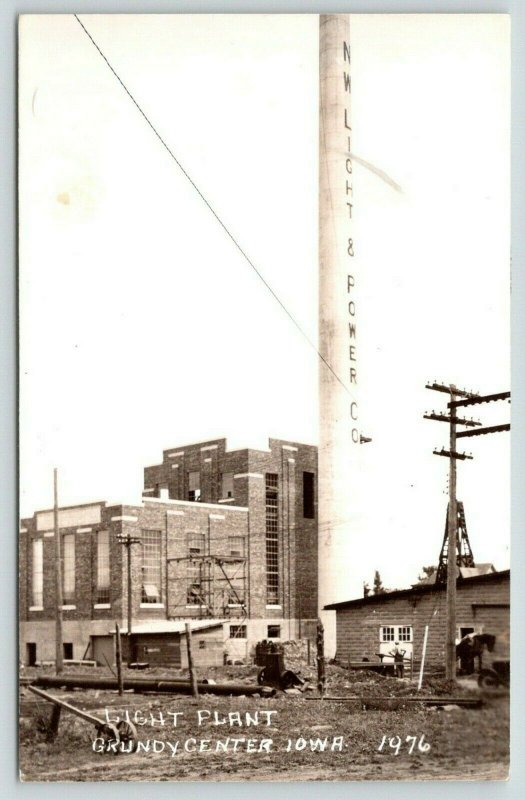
(399, 660)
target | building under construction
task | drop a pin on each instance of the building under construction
(228, 538)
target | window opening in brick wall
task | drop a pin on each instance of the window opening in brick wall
(68, 650)
(30, 654)
(103, 577)
(226, 485)
(196, 542)
(236, 546)
(274, 632)
(37, 593)
(68, 568)
(151, 567)
(272, 539)
(196, 547)
(308, 495)
(238, 632)
(194, 486)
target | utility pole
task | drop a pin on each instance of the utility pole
(118, 658)
(127, 540)
(191, 665)
(458, 398)
(452, 547)
(59, 647)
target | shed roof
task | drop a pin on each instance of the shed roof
(415, 591)
(172, 626)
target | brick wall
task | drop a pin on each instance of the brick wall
(297, 536)
(215, 517)
(481, 603)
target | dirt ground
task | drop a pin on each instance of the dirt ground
(378, 735)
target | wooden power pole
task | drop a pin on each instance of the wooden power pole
(191, 665)
(59, 647)
(452, 547)
(128, 541)
(458, 398)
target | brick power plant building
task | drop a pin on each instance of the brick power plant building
(228, 539)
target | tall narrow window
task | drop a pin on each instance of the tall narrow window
(227, 485)
(308, 495)
(37, 598)
(194, 486)
(68, 568)
(272, 539)
(194, 590)
(102, 595)
(151, 567)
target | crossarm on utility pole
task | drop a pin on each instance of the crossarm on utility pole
(483, 431)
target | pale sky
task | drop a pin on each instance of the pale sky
(142, 327)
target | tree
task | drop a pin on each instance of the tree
(378, 583)
(427, 572)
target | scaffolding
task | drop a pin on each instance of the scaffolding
(205, 586)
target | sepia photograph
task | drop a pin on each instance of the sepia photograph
(264, 397)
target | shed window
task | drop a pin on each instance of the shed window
(388, 634)
(396, 633)
(238, 632)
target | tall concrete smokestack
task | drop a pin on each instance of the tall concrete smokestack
(338, 285)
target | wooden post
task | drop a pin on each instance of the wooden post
(193, 674)
(308, 657)
(54, 722)
(118, 654)
(59, 647)
(452, 548)
(130, 606)
(423, 654)
(321, 677)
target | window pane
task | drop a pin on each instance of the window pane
(272, 539)
(227, 485)
(387, 634)
(103, 567)
(237, 631)
(236, 546)
(38, 573)
(151, 567)
(308, 495)
(68, 568)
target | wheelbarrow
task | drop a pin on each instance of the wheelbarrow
(113, 736)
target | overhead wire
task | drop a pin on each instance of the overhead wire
(211, 209)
